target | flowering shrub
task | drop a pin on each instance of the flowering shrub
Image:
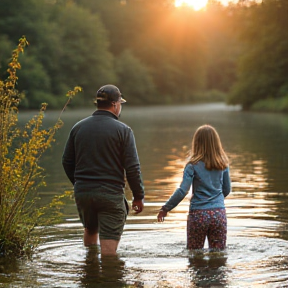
(20, 173)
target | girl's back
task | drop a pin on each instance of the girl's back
(209, 187)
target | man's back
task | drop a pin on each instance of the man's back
(100, 148)
(99, 153)
(103, 149)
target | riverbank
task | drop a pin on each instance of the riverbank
(279, 105)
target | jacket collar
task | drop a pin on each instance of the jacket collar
(105, 112)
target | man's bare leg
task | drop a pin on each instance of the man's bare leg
(108, 246)
(90, 239)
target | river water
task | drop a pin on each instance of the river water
(153, 254)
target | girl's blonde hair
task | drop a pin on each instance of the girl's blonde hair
(207, 147)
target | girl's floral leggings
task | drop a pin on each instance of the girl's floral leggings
(207, 222)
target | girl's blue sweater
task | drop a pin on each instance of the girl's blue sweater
(209, 187)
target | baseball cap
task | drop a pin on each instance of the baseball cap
(109, 93)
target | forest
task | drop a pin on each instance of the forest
(154, 52)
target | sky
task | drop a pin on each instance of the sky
(198, 4)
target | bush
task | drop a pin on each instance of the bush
(271, 105)
(20, 173)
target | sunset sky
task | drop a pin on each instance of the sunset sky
(198, 4)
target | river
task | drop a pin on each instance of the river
(153, 254)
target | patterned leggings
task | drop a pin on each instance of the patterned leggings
(211, 223)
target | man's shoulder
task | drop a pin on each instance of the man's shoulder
(121, 124)
(80, 122)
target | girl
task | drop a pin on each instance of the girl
(208, 171)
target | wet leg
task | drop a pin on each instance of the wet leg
(108, 246)
(90, 238)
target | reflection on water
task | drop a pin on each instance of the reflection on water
(102, 271)
(209, 270)
(255, 178)
(153, 254)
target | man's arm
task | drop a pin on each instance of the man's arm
(133, 171)
(134, 178)
(68, 159)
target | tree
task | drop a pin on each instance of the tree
(70, 45)
(166, 40)
(263, 67)
(135, 79)
(84, 58)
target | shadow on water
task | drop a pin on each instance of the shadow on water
(8, 268)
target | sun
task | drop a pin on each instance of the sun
(195, 4)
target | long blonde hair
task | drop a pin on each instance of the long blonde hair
(207, 147)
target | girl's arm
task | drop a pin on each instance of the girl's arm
(226, 188)
(182, 191)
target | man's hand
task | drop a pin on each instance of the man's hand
(138, 205)
(161, 215)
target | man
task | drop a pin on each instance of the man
(100, 152)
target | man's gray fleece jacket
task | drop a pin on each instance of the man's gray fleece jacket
(101, 150)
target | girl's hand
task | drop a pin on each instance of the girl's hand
(161, 215)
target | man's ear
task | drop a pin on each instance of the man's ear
(113, 103)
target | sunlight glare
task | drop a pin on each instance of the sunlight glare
(195, 4)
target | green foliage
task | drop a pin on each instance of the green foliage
(271, 105)
(222, 47)
(168, 42)
(135, 77)
(84, 57)
(20, 172)
(176, 54)
(6, 47)
(52, 213)
(70, 47)
(178, 46)
(264, 65)
(35, 83)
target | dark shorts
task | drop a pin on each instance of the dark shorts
(211, 223)
(102, 212)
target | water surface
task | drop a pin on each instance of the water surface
(153, 254)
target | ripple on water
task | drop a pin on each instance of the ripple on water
(154, 255)
(247, 261)
(159, 259)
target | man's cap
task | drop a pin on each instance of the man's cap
(109, 93)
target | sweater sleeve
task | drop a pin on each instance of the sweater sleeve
(68, 159)
(226, 188)
(132, 167)
(181, 191)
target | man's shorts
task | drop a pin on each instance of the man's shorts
(103, 212)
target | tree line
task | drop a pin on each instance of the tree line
(156, 53)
